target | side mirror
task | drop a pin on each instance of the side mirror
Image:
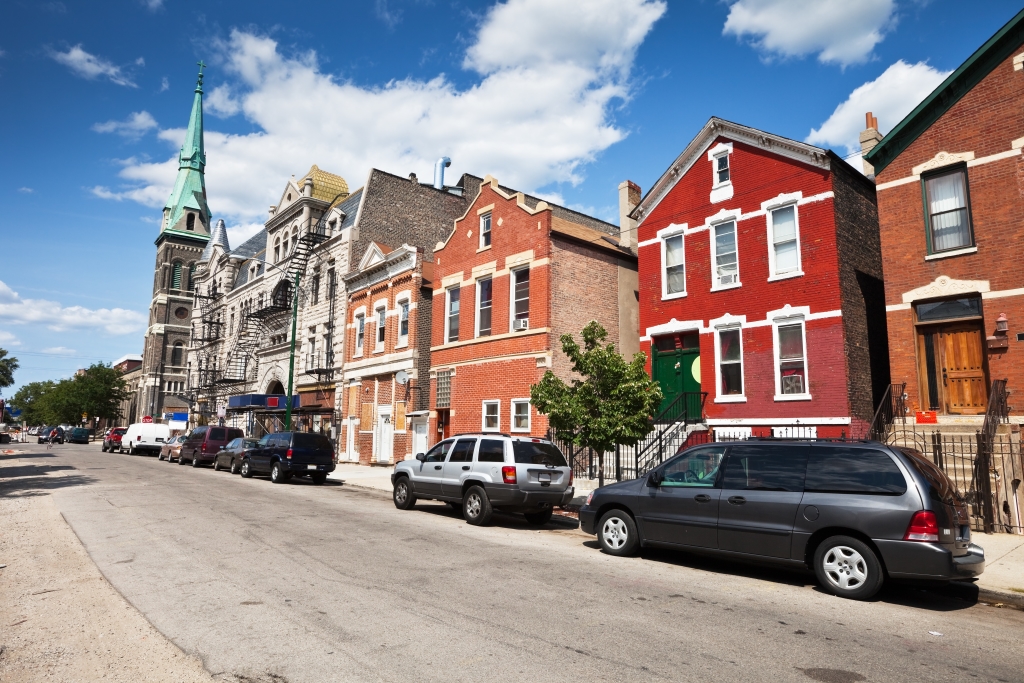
(422, 457)
(654, 479)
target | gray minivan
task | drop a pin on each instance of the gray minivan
(853, 512)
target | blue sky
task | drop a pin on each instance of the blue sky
(559, 97)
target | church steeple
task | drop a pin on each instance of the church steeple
(186, 210)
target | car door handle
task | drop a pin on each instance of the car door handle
(702, 498)
(465, 467)
(437, 467)
(737, 500)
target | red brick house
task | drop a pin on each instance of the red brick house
(513, 276)
(387, 355)
(950, 183)
(760, 284)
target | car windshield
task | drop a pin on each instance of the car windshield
(537, 453)
(316, 442)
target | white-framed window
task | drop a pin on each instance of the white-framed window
(491, 421)
(783, 242)
(790, 337)
(520, 282)
(485, 230)
(729, 364)
(382, 317)
(673, 263)
(484, 301)
(725, 258)
(721, 169)
(403, 322)
(721, 172)
(360, 333)
(451, 320)
(520, 415)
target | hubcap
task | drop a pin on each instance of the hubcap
(615, 533)
(845, 568)
(473, 505)
(401, 493)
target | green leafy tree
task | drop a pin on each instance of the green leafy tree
(7, 368)
(609, 401)
(99, 391)
(60, 405)
(28, 399)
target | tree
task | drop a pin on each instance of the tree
(7, 368)
(28, 399)
(99, 391)
(609, 402)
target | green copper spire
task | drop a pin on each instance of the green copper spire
(186, 210)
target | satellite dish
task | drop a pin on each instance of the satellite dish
(401, 376)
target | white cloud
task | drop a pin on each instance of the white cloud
(237, 234)
(890, 97)
(59, 351)
(90, 66)
(839, 31)
(549, 73)
(391, 17)
(134, 127)
(153, 5)
(19, 311)
(26, 190)
(9, 339)
(164, 84)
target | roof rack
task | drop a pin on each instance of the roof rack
(455, 436)
(830, 439)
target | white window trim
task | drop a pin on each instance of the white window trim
(447, 310)
(403, 298)
(360, 344)
(725, 324)
(378, 343)
(732, 217)
(490, 216)
(512, 296)
(512, 415)
(483, 416)
(781, 202)
(476, 315)
(720, 191)
(664, 235)
(776, 323)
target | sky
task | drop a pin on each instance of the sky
(561, 98)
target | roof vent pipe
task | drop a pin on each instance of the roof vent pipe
(439, 166)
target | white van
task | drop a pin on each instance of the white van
(144, 438)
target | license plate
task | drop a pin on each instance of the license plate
(544, 476)
(311, 467)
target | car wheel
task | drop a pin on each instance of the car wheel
(103, 448)
(234, 466)
(181, 459)
(617, 533)
(246, 469)
(216, 465)
(319, 478)
(160, 456)
(402, 494)
(131, 451)
(848, 568)
(476, 507)
(195, 460)
(277, 474)
(539, 518)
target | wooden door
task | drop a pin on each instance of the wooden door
(676, 368)
(964, 383)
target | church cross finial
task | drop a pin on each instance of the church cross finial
(199, 84)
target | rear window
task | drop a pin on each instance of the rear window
(218, 434)
(941, 488)
(491, 450)
(120, 431)
(534, 453)
(853, 470)
(314, 442)
(235, 433)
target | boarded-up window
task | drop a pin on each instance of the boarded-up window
(444, 389)
(353, 400)
(366, 418)
(400, 416)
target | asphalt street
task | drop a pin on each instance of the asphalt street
(295, 582)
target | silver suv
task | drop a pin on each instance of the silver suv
(485, 472)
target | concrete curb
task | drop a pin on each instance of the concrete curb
(993, 597)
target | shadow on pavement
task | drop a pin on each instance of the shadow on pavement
(38, 482)
(504, 520)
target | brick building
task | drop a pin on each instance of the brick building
(760, 284)
(387, 355)
(513, 276)
(950, 183)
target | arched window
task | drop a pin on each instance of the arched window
(191, 276)
(277, 250)
(176, 353)
(295, 237)
(176, 276)
(190, 222)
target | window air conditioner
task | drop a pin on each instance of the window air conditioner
(521, 324)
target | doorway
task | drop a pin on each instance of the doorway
(383, 436)
(675, 365)
(444, 424)
(951, 365)
(419, 435)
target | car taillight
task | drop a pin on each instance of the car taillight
(204, 447)
(923, 527)
(139, 437)
(570, 476)
(288, 454)
(508, 474)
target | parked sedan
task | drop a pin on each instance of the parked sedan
(171, 450)
(79, 435)
(230, 458)
(112, 439)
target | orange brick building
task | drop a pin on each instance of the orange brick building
(514, 275)
(950, 186)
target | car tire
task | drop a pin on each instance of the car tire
(539, 518)
(181, 459)
(131, 451)
(234, 466)
(402, 494)
(847, 567)
(617, 534)
(195, 460)
(319, 478)
(103, 448)
(160, 456)
(246, 470)
(476, 507)
(216, 465)
(277, 474)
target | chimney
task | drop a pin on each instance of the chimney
(869, 137)
(629, 197)
(307, 188)
(413, 178)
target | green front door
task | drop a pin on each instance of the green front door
(675, 365)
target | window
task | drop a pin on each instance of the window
(332, 283)
(520, 415)
(403, 322)
(176, 276)
(521, 294)
(722, 169)
(277, 249)
(537, 453)
(490, 416)
(176, 352)
(949, 309)
(491, 450)
(674, 281)
(947, 208)
(315, 287)
(190, 222)
(463, 451)
(444, 388)
(483, 306)
(485, 230)
(439, 452)
(381, 321)
(791, 361)
(724, 257)
(765, 468)
(784, 254)
(360, 332)
(191, 276)
(452, 319)
(694, 469)
(730, 363)
(853, 470)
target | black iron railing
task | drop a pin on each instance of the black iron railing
(892, 407)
